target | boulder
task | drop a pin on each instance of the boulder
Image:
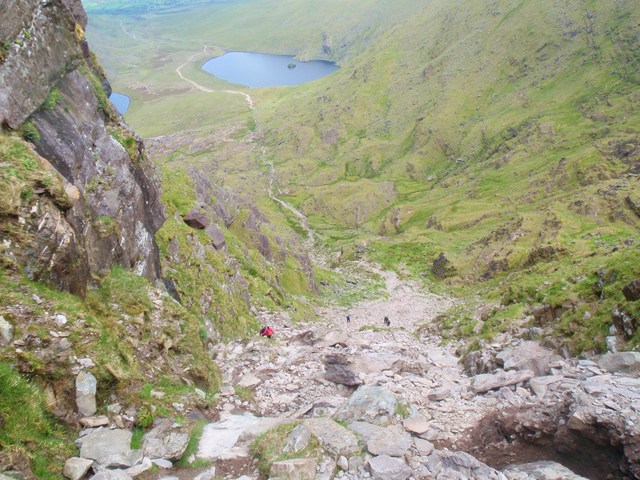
(539, 385)
(367, 431)
(333, 338)
(298, 439)
(621, 362)
(371, 404)
(341, 374)
(442, 267)
(540, 471)
(424, 447)
(249, 381)
(140, 468)
(631, 290)
(392, 441)
(197, 219)
(104, 446)
(93, 422)
(296, 469)
(526, 356)
(487, 381)
(384, 467)
(332, 436)
(458, 465)
(76, 467)
(165, 440)
(216, 236)
(479, 361)
(6, 332)
(439, 393)
(416, 425)
(86, 393)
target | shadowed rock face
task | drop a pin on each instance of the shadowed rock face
(114, 208)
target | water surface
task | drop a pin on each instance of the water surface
(265, 70)
(120, 101)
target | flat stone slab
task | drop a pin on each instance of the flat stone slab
(333, 437)
(103, 445)
(218, 441)
(489, 381)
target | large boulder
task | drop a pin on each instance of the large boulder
(197, 219)
(109, 447)
(526, 356)
(165, 440)
(392, 441)
(337, 370)
(371, 404)
(621, 362)
(216, 236)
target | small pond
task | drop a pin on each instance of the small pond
(265, 70)
(120, 101)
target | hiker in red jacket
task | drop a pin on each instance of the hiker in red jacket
(266, 331)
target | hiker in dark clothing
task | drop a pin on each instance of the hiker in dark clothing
(266, 331)
(387, 322)
(348, 318)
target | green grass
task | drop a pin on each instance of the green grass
(33, 434)
(483, 132)
(192, 447)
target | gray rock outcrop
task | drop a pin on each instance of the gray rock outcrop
(621, 362)
(108, 208)
(166, 440)
(86, 386)
(369, 404)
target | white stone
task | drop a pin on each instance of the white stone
(76, 467)
(60, 319)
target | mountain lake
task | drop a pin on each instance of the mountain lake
(120, 101)
(265, 70)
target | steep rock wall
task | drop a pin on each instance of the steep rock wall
(49, 82)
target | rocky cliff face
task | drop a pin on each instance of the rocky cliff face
(55, 94)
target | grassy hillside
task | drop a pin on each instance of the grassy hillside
(504, 134)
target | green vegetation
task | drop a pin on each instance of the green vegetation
(22, 173)
(505, 138)
(34, 426)
(54, 98)
(192, 447)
